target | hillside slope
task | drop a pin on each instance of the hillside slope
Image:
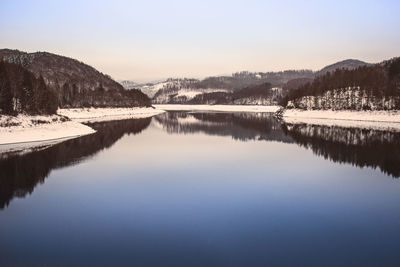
(74, 83)
(183, 91)
(372, 87)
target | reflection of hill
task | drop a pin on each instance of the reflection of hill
(20, 174)
(360, 147)
(241, 126)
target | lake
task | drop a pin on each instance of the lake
(201, 189)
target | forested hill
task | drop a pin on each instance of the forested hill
(262, 94)
(21, 91)
(74, 83)
(349, 64)
(372, 87)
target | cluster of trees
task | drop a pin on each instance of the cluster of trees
(73, 96)
(372, 86)
(22, 92)
(257, 94)
(245, 79)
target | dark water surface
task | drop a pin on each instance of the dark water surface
(183, 188)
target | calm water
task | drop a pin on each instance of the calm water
(204, 189)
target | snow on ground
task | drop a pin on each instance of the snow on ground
(233, 108)
(105, 114)
(191, 93)
(383, 120)
(25, 128)
(151, 90)
(41, 131)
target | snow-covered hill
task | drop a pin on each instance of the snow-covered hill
(127, 84)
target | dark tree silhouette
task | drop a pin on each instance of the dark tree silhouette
(21, 91)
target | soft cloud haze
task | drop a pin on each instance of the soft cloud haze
(147, 40)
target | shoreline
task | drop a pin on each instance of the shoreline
(380, 120)
(48, 130)
(24, 132)
(37, 130)
(108, 114)
(231, 108)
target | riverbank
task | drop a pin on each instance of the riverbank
(24, 128)
(67, 124)
(231, 108)
(107, 114)
(384, 120)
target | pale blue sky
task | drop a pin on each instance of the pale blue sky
(147, 40)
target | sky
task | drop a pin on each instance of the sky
(152, 40)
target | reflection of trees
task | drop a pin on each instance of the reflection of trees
(241, 126)
(360, 147)
(20, 174)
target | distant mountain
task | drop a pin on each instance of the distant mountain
(216, 89)
(150, 89)
(181, 91)
(220, 89)
(261, 94)
(74, 83)
(127, 84)
(349, 64)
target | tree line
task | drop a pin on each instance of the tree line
(22, 92)
(378, 84)
(257, 94)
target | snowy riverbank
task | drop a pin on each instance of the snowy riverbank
(23, 128)
(38, 130)
(106, 114)
(384, 120)
(231, 108)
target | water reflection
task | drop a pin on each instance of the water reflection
(240, 126)
(21, 173)
(234, 198)
(360, 147)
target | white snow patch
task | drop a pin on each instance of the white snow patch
(24, 128)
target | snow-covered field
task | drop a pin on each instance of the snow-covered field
(384, 120)
(234, 108)
(105, 114)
